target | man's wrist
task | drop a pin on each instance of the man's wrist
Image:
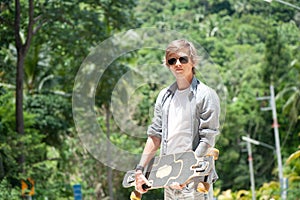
(139, 167)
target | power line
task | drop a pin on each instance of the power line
(285, 3)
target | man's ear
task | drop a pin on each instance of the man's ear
(166, 64)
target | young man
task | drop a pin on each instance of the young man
(186, 117)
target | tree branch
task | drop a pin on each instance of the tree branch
(37, 18)
(39, 26)
(17, 25)
(30, 26)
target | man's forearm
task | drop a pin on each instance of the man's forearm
(152, 144)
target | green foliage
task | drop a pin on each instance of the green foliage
(276, 56)
(237, 37)
(253, 43)
(108, 81)
(293, 171)
(7, 191)
(52, 114)
(269, 190)
(13, 146)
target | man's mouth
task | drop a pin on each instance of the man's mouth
(178, 69)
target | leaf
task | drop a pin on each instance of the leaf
(292, 157)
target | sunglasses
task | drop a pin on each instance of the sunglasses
(182, 60)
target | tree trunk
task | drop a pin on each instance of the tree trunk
(109, 169)
(19, 104)
(22, 49)
(19, 95)
(19, 80)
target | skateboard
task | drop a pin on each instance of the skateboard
(181, 168)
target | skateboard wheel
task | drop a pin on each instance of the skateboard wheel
(203, 187)
(135, 195)
(213, 152)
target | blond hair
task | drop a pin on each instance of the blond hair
(185, 46)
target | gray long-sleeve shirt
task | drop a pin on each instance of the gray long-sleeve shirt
(205, 110)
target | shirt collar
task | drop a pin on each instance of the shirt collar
(193, 86)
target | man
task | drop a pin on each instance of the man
(186, 117)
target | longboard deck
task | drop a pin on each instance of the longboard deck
(167, 169)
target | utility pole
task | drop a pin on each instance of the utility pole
(277, 139)
(250, 161)
(277, 142)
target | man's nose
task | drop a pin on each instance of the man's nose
(177, 62)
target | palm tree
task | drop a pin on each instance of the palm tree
(291, 94)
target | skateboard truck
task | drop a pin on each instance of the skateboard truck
(201, 166)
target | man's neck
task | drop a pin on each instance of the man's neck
(184, 82)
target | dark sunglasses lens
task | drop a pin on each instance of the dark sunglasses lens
(184, 60)
(172, 61)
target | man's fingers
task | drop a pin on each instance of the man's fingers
(145, 180)
(140, 190)
(177, 186)
(142, 184)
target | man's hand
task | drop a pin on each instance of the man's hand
(201, 149)
(141, 180)
(177, 186)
